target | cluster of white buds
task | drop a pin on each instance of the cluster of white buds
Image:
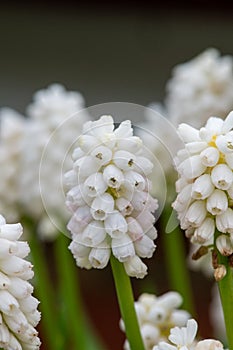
(52, 126)
(199, 88)
(156, 316)
(205, 185)
(53, 104)
(18, 308)
(185, 338)
(109, 198)
(12, 127)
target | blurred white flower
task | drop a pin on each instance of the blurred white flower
(53, 126)
(12, 127)
(109, 200)
(162, 143)
(207, 204)
(156, 316)
(209, 344)
(199, 88)
(185, 338)
(18, 308)
(54, 104)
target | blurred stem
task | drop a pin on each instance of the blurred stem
(225, 286)
(126, 304)
(80, 331)
(44, 290)
(175, 260)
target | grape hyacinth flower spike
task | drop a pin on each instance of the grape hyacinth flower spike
(18, 308)
(200, 88)
(109, 199)
(205, 199)
(156, 317)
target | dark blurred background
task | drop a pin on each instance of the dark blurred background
(109, 51)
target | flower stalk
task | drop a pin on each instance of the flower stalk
(225, 286)
(126, 304)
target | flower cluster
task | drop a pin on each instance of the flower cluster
(197, 89)
(12, 127)
(205, 184)
(51, 130)
(185, 338)
(200, 87)
(32, 149)
(18, 308)
(109, 199)
(156, 316)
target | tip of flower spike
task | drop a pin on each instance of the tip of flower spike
(104, 120)
(124, 129)
(228, 123)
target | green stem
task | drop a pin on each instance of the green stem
(126, 304)
(44, 291)
(176, 261)
(225, 286)
(80, 331)
(226, 294)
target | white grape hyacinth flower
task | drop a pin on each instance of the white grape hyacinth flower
(199, 88)
(156, 316)
(205, 200)
(53, 125)
(109, 199)
(184, 338)
(53, 104)
(12, 126)
(18, 308)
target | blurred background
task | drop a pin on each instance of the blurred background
(108, 51)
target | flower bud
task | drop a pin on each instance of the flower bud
(220, 272)
(224, 221)
(202, 187)
(123, 248)
(196, 213)
(192, 167)
(204, 232)
(134, 267)
(113, 176)
(222, 176)
(217, 203)
(95, 185)
(224, 245)
(225, 143)
(210, 156)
